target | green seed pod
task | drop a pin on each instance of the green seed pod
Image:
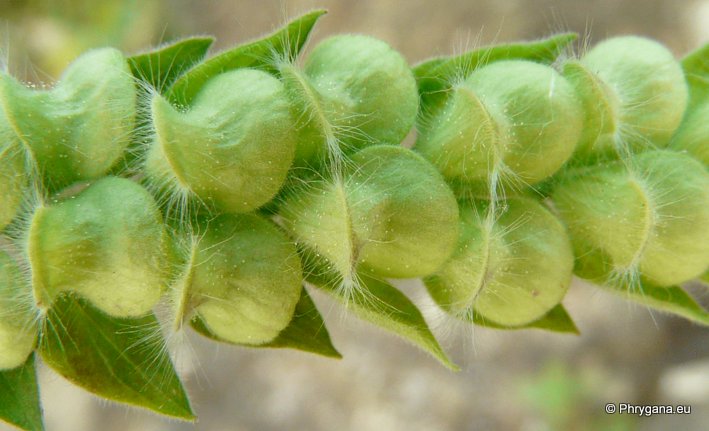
(18, 329)
(13, 174)
(354, 91)
(391, 215)
(107, 244)
(243, 279)
(509, 271)
(80, 128)
(634, 94)
(231, 149)
(519, 118)
(648, 219)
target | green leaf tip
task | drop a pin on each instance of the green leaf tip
(19, 397)
(286, 42)
(162, 66)
(673, 300)
(378, 302)
(123, 360)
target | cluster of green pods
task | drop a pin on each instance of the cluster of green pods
(220, 187)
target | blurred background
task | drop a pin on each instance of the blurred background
(523, 380)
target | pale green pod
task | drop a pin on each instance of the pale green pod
(79, 129)
(231, 149)
(243, 280)
(13, 174)
(392, 215)
(510, 270)
(354, 91)
(640, 90)
(107, 244)
(517, 117)
(650, 218)
(18, 326)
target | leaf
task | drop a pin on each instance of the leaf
(306, 332)
(159, 69)
(380, 303)
(119, 359)
(672, 300)
(162, 66)
(288, 41)
(696, 64)
(19, 397)
(435, 76)
(556, 320)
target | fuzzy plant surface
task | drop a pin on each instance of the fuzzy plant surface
(223, 190)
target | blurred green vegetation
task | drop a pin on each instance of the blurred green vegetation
(572, 399)
(41, 36)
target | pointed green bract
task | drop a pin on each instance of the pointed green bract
(107, 244)
(672, 299)
(231, 150)
(392, 215)
(18, 317)
(556, 320)
(285, 43)
(381, 304)
(162, 66)
(693, 132)
(437, 76)
(79, 129)
(646, 219)
(509, 269)
(513, 119)
(19, 397)
(646, 90)
(354, 91)
(306, 332)
(243, 280)
(124, 360)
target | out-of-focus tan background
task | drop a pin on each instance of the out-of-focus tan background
(525, 380)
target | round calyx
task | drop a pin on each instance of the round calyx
(78, 129)
(634, 95)
(242, 280)
(354, 91)
(647, 218)
(107, 244)
(518, 118)
(391, 214)
(509, 268)
(231, 149)
(18, 325)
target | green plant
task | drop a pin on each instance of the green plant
(222, 186)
